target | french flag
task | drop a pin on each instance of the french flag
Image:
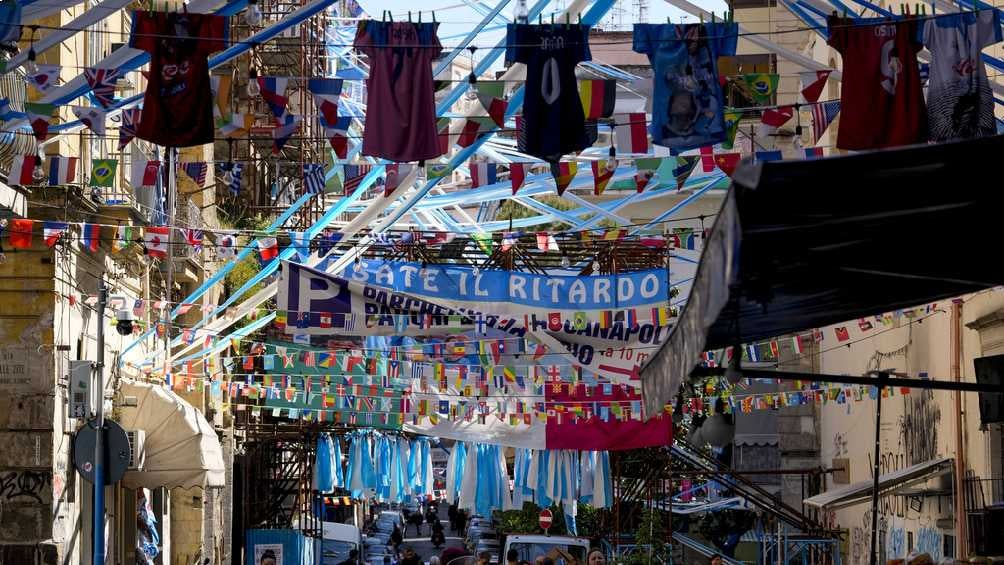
(483, 174)
(62, 170)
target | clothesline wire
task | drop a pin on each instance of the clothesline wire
(872, 22)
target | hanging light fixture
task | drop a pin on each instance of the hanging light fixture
(38, 174)
(253, 89)
(565, 262)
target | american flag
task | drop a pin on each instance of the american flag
(313, 178)
(127, 129)
(196, 171)
(354, 175)
(102, 83)
(822, 114)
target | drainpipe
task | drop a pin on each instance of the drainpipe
(960, 446)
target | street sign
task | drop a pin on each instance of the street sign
(545, 519)
(116, 448)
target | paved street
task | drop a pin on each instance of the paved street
(421, 544)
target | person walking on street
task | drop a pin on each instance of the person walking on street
(396, 538)
(451, 512)
(410, 557)
(433, 519)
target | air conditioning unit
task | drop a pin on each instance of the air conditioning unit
(137, 449)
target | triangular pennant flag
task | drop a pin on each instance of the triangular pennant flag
(823, 114)
(127, 128)
(103, 172)
(144, 173)
(645, 171)
(93, 118)
(777, 117)
(727, 162)
(273, 92)
(603, 171)
(731, 117)
(685, 165)
(326, 92)
(517, 176)
(813, 83)
(598, 97)
(43, 77)
(102, 83)
(338, 135)
(491, 94)
(563, 174)
(472, 129)
(39, 116)
(283, 130)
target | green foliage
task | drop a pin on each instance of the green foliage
(651, 531)
(525, 521)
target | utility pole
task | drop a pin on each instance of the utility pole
(172, 181)
(98, 542)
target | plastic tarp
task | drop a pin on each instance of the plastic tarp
(861, 491)
(829, 240)
(181, 448)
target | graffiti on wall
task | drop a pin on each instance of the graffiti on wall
(930, 541)
(24, 486)
(919, 426)
(895, 543)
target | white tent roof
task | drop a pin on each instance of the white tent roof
(861, 491)
(181, 448)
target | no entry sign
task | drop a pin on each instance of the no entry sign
(545, 519)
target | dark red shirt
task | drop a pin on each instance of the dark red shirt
(178, 105)
(881, 101)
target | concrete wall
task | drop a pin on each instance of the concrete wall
(916, 427)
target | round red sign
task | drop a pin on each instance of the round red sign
(545, 519)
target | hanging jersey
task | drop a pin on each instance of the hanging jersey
(178, 104)
(960, 102)
(687, 99)
(401, 108)
(881, 102)
(553, 120)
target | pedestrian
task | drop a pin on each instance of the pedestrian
(416, 520)
(716, 559)
(432, 518)
(461, 522)
(512, 557)
(410, 557)
(484, 558)
(396, 538)
(433, 560)
(596, 557)
(451, 512)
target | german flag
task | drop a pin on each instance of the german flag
(598, 97)
(606, 319)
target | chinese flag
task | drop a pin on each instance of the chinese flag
(20, 233)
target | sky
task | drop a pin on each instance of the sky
(457, 18)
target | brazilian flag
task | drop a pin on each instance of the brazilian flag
(103, 172)
(760, 86)
(732, 117)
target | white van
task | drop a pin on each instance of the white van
(564, 550)
(338, 540)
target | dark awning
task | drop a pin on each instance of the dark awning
(804, 244)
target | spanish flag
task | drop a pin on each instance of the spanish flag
(598, 97)
(603, 171)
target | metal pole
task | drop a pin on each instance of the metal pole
(875, 468)
(171, 196)
(98, 543)
(962, 539)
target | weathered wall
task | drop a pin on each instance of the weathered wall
(916, 427)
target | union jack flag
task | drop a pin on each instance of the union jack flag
(102, 83)
(313, 178)
(193, 237)
(127, 129)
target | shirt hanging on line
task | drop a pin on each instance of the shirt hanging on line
(881, 102)
(178, 104)
(960, 102)
(553, 119)
(687, 99)
(401, 108)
